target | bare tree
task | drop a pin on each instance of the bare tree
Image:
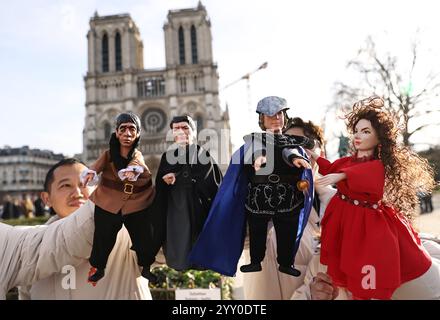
(381, 75)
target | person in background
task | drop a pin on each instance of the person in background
(18, 208)
(40, 208)
(8, 208)
(28, 207)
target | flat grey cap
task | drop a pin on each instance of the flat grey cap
(271, 105)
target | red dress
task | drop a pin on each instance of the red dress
(368, 247)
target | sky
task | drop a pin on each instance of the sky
(307, 44)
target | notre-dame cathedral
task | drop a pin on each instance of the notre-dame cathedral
(116, 81)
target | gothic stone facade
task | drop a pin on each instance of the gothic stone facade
(116, 81)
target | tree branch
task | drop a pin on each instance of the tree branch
(410, 133)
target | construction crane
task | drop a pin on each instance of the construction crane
(247, 77)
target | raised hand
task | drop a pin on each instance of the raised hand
(87, 179)
(331, 179)
(129, 175)
(259, 162)
(301, 163)
(169, 178)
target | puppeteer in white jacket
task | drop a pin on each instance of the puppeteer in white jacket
(53, 259)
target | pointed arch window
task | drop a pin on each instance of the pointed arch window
(118, 52)
(107, 131)
(105, 53)
(182, 80)
(194, 45)
(181, 46)
(199, 120)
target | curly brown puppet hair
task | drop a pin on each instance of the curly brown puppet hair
(406, 173)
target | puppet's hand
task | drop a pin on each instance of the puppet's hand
(169, 178)
(322, 287)
(259, 162)
(89, 177)
(301, 163)
(129, 175)
(331, 179)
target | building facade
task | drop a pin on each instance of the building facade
(23, 170)
(116, 81)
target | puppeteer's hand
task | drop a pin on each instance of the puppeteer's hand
(301, 163)
(169, 178)
(87, 179)
(129, 175)
(259, 162)
(311, 154)
(330, 179)
(322, 287)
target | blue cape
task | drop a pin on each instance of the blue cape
(221, 241)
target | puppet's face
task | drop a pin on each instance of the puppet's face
(274, 123)
(365, 136)
(182, 133)
(127, 133)
(66, 193)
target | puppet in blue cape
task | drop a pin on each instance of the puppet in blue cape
(221, 241)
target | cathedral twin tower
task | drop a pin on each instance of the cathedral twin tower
(116, 81)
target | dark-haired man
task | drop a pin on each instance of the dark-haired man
(61, 192)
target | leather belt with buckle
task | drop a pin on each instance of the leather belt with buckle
(127, 187)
